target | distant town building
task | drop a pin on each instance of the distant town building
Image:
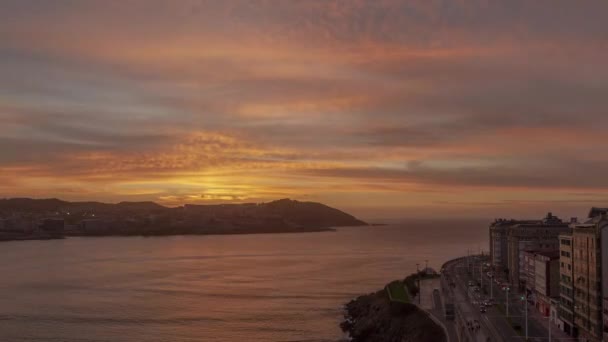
(52, 226)
(93, 226)
(18, 224)
(5, 224)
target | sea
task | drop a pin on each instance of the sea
(225, 288)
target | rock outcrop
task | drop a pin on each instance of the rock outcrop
(374, 318)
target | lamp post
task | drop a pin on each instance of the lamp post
(507, 299)
(481, 275)
(525, 299)
(549, 328)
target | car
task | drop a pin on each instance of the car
(476, 289)
(482, 308)
(471, 283)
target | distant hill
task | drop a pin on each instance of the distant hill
(149, 218)
(312, 213)
(55, 205)
(31, 205)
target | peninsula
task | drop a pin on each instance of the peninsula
(25, 218)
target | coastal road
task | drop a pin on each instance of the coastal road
(457, 292)
(438, 312)
(497, 326)
(538, 325)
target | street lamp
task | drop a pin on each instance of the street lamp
(491, 287)
(481, 274)
(549, 328)
(525, 299)
(507, 299)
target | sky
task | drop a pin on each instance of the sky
(381, 108)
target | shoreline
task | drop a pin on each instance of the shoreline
(30, 238)
(66, 236)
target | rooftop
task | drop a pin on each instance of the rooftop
(549, 254)
(595, 211)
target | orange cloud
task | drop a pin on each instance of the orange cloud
(400, 103)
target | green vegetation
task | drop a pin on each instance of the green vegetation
(396, 292)
(411, 281)
(374, 317)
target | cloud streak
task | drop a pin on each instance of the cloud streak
(239, 100)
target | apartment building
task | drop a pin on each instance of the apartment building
(566, 290)
(605, 314)
(546, 280)
(498, 239)
(540, 236)
(602, 226)
(587, 275)
(586, 280)
(527, 272)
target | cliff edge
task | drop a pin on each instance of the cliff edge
(374, 318)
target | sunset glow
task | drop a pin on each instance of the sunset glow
(384, 108)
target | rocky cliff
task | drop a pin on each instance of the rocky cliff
(374, 318)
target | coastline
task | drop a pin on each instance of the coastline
(68, 235)
(4, 238)
(389, 315)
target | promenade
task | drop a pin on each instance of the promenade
(470, 323)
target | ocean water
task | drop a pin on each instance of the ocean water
(275, 287)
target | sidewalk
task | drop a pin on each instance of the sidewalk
(545, 322)
(431, 303)
(427, 286)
